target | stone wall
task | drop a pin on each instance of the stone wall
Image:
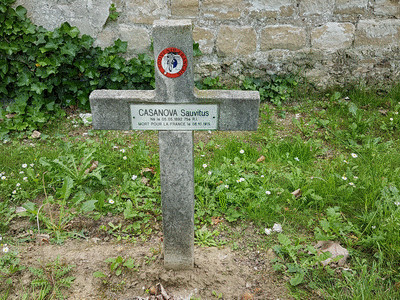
(328, 41)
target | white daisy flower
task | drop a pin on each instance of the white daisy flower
(24, 166)
(204, 166)
(268, 192)
(277, 227)
(241, 151)
(111, 201)
(354, 155)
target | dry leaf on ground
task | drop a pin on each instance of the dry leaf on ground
(94, 165)
(152, 170)
(261, 158)
(297, 193)
(35, 134)
(335, 249)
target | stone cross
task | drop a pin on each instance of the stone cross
(175, 108)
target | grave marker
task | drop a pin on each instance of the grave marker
(175, 108)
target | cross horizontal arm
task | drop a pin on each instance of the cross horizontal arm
(111, 108)
(237, 110)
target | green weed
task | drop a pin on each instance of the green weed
(51, 279)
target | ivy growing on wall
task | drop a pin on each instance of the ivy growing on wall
(44, 71)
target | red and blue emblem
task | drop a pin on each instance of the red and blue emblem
(172, 62)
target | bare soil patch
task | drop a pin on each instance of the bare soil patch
(243, 273)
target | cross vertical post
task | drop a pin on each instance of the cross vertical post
(176, 147)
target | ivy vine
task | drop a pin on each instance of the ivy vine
(44, 71)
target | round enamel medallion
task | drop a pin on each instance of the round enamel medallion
(172, 62)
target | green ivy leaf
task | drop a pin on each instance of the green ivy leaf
(3, 9)
(3, 66)
(29, 28)
(38, 87)
(74, 32)
(21, 11)
(86, 41)
(50, 46)
(196, 50)
(120, 46)
(9, 48)
(24, 79)
(69, 49)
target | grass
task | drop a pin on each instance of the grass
(329, 170)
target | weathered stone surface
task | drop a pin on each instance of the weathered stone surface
(205, 38)
(377, 33)
(271, 8)
(351, 6)
(184, 8)
(282, 37)
(222, 9)
(333, 36)
(376, 24)
(235, 40)
(106, 37)
(89, 17)
(145, 12)
(177, 196)
(387, 8)
(316, 7)
(138, 38)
